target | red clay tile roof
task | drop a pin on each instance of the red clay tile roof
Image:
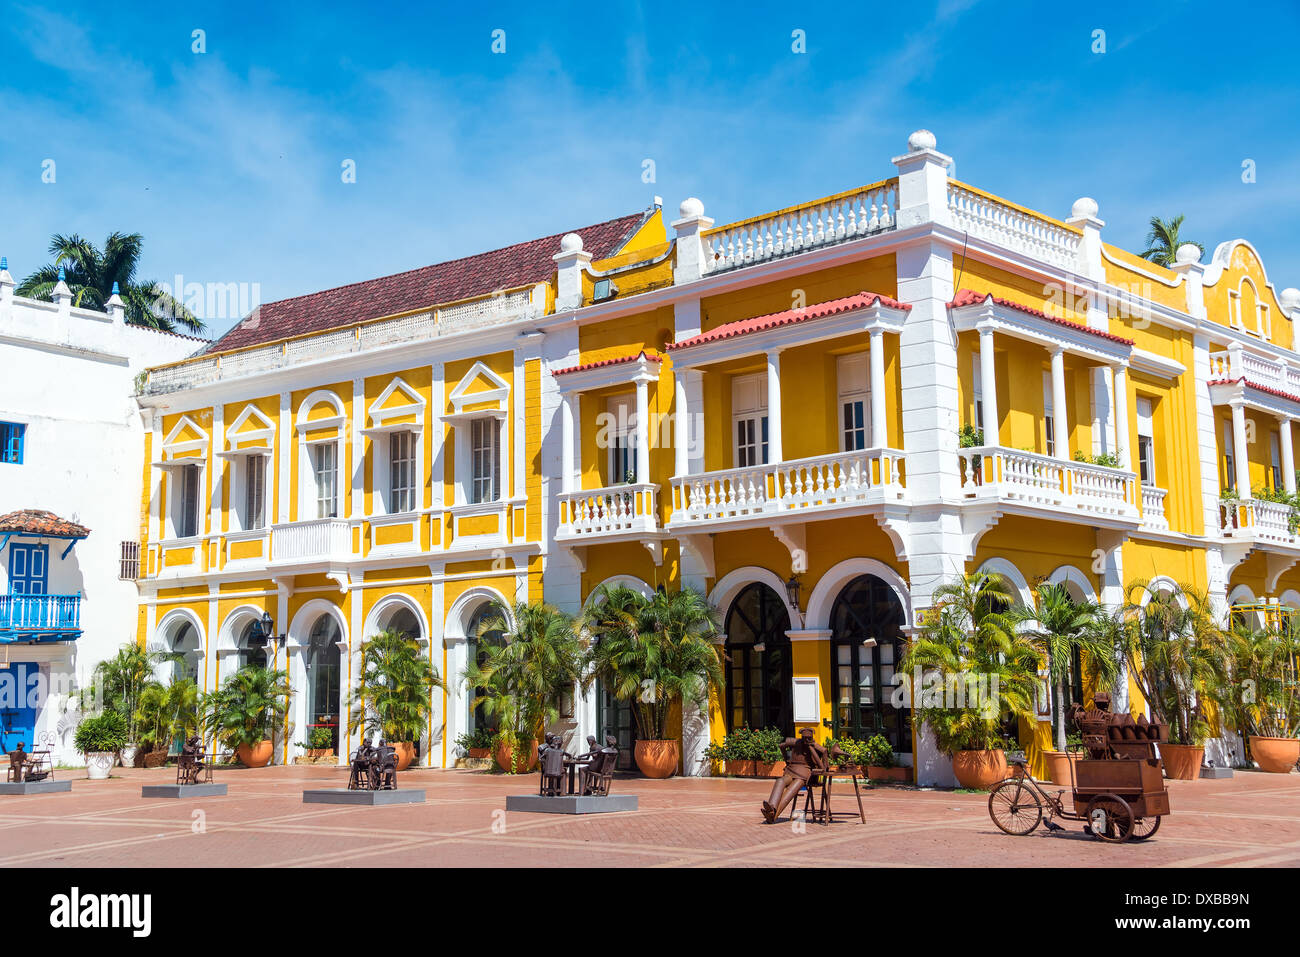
(34, 521)
(740, 327)
(481, 274)
(969, 297)
(600, 363)
(1255, 385)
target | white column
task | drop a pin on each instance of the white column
(1121, 418)
(1288, 455)
(1240, 450)
(1060, 421)
(566, 442)
(989, 387)
(774, 452)
(879, 429)
(681, 425)
(642, 431)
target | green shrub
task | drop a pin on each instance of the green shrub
(478, 738)
(103, 732)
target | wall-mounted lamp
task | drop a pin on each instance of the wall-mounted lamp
(792, 591)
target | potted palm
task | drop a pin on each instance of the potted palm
(1064, 629)
(658, 654)
(117, 684)
(394, 696)
(245, 711)
(165, 713)
(1261, 696)
(1177, 654)
(523, 681)
(979, 672)
(99, 738)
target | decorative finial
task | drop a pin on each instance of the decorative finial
(61, 274)
(115, 289)
(4, 262)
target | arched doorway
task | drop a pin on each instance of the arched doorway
(322, 660)
(759, 672)
(252, 644)
(863, 677)
(479, 638)
(183, 638)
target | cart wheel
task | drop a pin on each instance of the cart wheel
(1015, 809)
(1110, 818)
(1144, 827)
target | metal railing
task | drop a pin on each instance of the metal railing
(40, 613)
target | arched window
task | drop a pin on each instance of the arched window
(404, 622)
(323, 676)
(863, 677)
(759, 674)
(479, 640)
(184, 639)
(252, 645)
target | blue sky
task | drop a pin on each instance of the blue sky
(229, 161)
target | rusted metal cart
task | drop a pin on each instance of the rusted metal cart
(1118, 791)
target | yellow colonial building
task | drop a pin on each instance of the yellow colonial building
(771, 412)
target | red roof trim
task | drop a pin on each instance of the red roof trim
(969, 297)
(35, 521)
(601, 363)
(1255, 385)
(789, 317)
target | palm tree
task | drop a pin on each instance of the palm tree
(1177, 655)
(118, 682)
(973, 632)
(246, 709)
(1063, 628)
(523, 680)
(1262, 695)
(93, 276)
(653, 652)
(395, 694)
(1163, 241)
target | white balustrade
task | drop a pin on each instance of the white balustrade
(1153, 508)
(1256, 519)
(836, 219)
(819, 482)
(1229, 365)
(443, 321)
(1007, 225)
(998, 472)
(319, 540)
(608, 511)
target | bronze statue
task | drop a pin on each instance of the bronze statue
(803, 758)
(30, 766)
(599, 772)
(553, 759)
(17, 763)
(373, 768)
(192, 765)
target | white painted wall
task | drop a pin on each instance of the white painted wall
(68, 374)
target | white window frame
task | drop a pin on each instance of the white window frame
(316, 474)
(977, 390)
(1275, 459)
(176, 504)
(1146, 438)
(489, 480)
(1049, 415)
(853, 387)
(622, 439)
(749, 407)
(401, 489)
(1230, 458)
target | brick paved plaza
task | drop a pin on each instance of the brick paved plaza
(1251, 820)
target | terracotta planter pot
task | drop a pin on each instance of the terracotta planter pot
(1182, 761)
(658, 759)
(1059, 765)
(315, 753)
(769, 769)
(154, 759)
(889, 774)
(505, 754)
(740, 769)
(256, 755)
(979, 770)
(1277, 755)
(479, 753)
(405, 753)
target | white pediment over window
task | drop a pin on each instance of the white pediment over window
(481, 391)
(251, 431)
(398, 406)
(186, 437)
(321, 411)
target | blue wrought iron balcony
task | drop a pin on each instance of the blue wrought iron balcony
(39, 618)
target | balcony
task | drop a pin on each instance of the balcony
(996, 473)
(39, 618)
(808, 489)
(1153, 509)
(608, 514)
(323, 540)
(1259, 523)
